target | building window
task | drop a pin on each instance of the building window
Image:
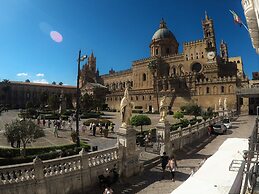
(143, 97)
(174, 71)
(156, 51)
(149, 97)
(207, 90)
(136, 97)
(144, 77)
(131, 98)
(167, 51)
(222, 89)
(186, 57)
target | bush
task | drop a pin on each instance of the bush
(90, 115)
(140, 120)
(15, 152)
(44, 153)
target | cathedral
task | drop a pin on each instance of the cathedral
(199, 74)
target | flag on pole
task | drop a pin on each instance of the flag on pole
(236, 18)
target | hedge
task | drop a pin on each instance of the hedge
(15, 152)
(49, 153)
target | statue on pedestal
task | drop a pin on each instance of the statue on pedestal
(220, 103)
(126, 109)
(163, 109)
(225, 104)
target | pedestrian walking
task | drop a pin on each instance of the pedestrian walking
(55, 130)
(94, 129)
(172, 167)
(164, 162)
(44, 122)
(49, 123)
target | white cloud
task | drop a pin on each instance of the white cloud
(22, 74)
(40, 74)
(42, 81)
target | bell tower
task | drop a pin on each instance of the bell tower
(92, 62)
(224, 50)
(209, 34)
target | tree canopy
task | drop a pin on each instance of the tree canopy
(140, 120)
(23, 131)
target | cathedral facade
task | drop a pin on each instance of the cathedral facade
(199, 74)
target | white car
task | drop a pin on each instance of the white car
(227, 123)
(219, 128)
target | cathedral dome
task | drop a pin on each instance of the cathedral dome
(163, 32)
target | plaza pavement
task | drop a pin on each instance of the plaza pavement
(149, 181)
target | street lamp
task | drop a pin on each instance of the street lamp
(80, 58)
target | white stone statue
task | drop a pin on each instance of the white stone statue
(225, 104)
(126, 109)
(163, 109)
(220, 103)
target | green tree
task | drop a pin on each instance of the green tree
(192, 109)
(44, 96)
(54, 102)
(140, 120)
(23, 131)
(54, 83)
(87, 102)
(178, 115)
(27, 80)
(60, 83)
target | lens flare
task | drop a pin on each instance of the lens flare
(56, 36)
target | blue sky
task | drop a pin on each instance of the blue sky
(117, 31)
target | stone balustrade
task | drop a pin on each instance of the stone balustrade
(183, 136)
(72, 174)
(17, 173)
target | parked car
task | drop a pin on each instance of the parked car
(219, 128)
(227, 123)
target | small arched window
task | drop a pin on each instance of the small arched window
(174, 71)
(168, 51)
(222, 89)
(144, 77)
(156, 51)
(207, 90)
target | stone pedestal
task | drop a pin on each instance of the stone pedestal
(126, 138)
(163, 130)
(221, 112)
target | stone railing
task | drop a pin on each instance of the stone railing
(73, 174)
(183, 136)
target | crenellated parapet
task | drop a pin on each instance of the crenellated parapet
(194, 43)
(118, 73)
(222, 80)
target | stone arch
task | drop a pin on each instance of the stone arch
(200, 90)
(230, 89)
(144, 77)
(215, 90)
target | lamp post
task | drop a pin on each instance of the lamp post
(80, 58)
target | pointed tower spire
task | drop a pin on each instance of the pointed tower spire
(162, 24)
(206, 16)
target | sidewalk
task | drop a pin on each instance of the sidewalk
(191, 156)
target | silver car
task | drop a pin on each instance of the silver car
(219, 128)
(227, 123)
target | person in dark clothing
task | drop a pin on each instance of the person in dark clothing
(94, 129)
(164, 162)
